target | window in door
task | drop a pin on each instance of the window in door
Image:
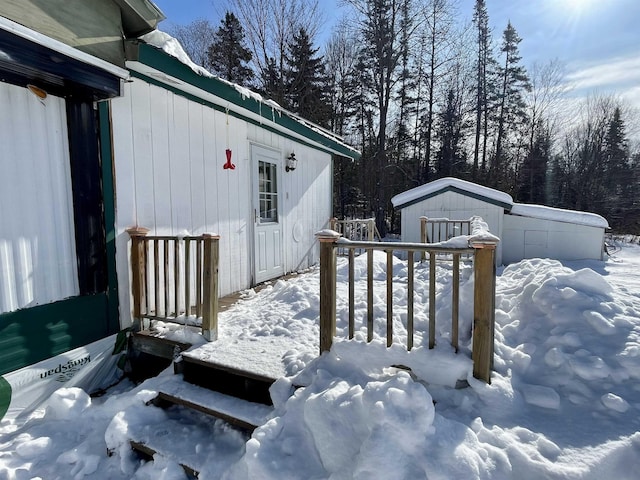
(268, 192)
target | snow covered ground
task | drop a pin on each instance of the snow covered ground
(563, 403)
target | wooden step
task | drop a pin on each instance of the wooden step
(240, 413)
(188, 438)
(250, 386)
(149, 353)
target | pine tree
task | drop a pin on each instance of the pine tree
(227, 54)
(532, 178)
(618, 176)
(305, 80)
(484, 88)
(511, 110)
(450, 158)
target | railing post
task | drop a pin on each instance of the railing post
(333, 224)
(327, 239)
(423, 236)
(371, 229)
(138, 271)
(423, 229)
(210, 287)
(484, 311)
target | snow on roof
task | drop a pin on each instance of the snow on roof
(559, 215)
(171, 46)
(448, 183)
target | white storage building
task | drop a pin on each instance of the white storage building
(525, 231)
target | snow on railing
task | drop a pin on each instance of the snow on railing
(175, 279)
(479, 243)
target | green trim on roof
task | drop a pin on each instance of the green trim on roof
(157, 59)
(451, 188)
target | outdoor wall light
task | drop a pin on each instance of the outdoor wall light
(292, 162)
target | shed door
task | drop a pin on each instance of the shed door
(268, 256)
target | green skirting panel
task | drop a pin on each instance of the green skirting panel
(33, 334)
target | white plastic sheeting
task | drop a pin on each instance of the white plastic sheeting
(37, 243)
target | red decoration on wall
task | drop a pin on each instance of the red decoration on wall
(229, 164)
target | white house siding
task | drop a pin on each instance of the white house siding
(169, 152)
(37, 242)
(525, 237)
(306, 196)
(453, 206)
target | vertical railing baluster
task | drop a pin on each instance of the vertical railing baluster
(199, 277)
(432, 299)
(187, 277)
(410, 301)
(176, 277)
(166, 278)
(455, 301)
(352, 254)
(389, 297)
(156, 276)
(147, 278)
(369, 294)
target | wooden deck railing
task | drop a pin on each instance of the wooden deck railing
(174, 277)
(356, 229)
(434, 230)
(481, 246)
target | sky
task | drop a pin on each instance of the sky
(598, 41)
(563, 403)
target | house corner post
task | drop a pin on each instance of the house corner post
(210, 287)
(138, 260)
(484, 309)
(327, 239)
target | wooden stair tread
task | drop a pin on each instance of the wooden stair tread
(187, 357)
(190, 439)
(242, 413)
(150, 452)
(150, 342)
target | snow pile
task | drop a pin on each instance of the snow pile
(563, 403)
(172, 46)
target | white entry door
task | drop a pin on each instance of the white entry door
(269, 261)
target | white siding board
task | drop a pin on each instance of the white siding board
(454, 206)
(161, 160)
(196, 156)
(180, 167)
(143, 157)
(526, 237)
(123, 150)
(177, 181)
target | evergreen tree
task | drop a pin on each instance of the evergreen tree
(532, 178)
(511, 109)
(618, 174)
(227, 54)
(450, 158)
(305, 80)
(483, 87)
